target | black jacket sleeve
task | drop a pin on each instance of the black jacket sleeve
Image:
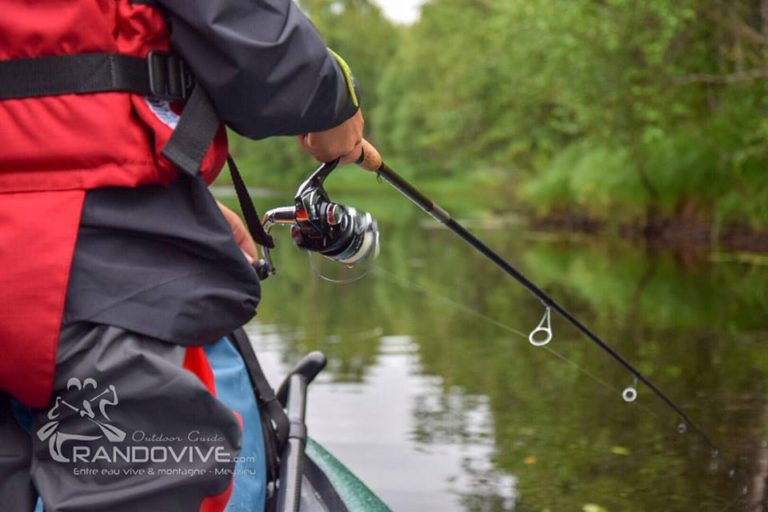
(263, 64)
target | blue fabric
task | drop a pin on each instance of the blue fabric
(233, 387)
(23, 416)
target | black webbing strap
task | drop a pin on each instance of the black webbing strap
(161, 75)
(194, 134)
(261, 387)
(252, 220)
(274, 420)
(73, 74)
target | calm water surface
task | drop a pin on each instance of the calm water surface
(435, 398)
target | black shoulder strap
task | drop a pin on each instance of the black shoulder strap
(264, 392)
(250, 214)
(194, 134)
(274, 420)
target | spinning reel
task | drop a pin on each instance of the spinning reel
(340, 233)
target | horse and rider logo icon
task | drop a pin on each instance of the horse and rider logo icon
(107, 398)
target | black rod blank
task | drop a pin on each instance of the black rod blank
(442, 216)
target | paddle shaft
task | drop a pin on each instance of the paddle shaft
(371, 161)
(292, 460)
(293, 395)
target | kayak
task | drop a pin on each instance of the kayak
(328, 485)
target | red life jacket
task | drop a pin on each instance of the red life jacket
(52, 150)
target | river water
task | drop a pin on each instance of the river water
(437, 400)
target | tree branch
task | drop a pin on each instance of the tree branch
(706, 78)
(747, 33)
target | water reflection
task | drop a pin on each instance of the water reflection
(439, 408)
(419, 447)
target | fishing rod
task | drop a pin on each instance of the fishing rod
(372, 161)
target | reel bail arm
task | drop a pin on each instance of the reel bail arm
(318, 224)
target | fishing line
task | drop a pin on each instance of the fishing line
(371, 160)
(682, 427)
(377, 269)
(316, 261)
(742, 494)
(473, 312)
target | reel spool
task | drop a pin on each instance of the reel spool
(318, 225)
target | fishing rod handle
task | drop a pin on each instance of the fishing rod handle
(370, 158)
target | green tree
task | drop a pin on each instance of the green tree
(622, 109)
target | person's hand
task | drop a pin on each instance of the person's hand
(344, 141)
(241, 234)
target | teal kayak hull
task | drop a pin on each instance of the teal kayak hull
(329, 485)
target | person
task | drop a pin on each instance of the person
(120, 272)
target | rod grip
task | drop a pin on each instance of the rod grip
(370, 159)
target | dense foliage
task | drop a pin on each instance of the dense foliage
(615, 109)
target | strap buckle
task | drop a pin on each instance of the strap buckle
(169, 77)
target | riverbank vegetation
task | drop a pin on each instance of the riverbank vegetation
(623, 113)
